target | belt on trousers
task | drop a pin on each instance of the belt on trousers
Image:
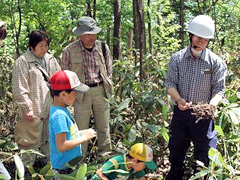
(95, 85)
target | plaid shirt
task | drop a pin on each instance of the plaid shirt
(29, 85)
(91, 67)
(196, 80)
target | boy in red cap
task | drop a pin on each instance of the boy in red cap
(65, 139)
(119, 167)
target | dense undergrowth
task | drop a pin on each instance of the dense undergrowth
(140, 112)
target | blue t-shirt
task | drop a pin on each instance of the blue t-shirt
(60, 120)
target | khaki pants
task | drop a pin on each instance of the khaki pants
(94, 102)
(40, 143)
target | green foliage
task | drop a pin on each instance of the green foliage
(81, 172)
(2, 176)
(7, 111)
(140, 111)
(224, 162)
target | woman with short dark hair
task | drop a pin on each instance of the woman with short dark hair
(30, 87)
(36, 36)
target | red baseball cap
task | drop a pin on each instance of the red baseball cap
(64, 80)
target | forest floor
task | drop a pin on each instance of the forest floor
(159, 174)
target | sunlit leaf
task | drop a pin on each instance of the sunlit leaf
(2, 176)
(123, 104)
(66, 177)
(164, 134)
(199, 174)
(2, 141)
(19, 166)
(2, 112)
(233, 117)
(139, 124)
(165, 112)
(216, 157)
(45, 169)
(237, 112)
(81, 172)
(153, 128)
(132, 135)
(232, 98)
(219, 130)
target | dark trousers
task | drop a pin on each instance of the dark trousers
(183, 130)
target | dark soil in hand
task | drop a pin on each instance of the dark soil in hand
(203, 111)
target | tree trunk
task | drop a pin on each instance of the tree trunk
(139, 29)
(181, 19)
(117, 30)
(89, 8)
(94, 9)
(129, 42)
(149, 29)
(136, 26)
(19, 28)
(108, 35)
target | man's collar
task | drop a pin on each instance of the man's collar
(82, 46)
(204, 55)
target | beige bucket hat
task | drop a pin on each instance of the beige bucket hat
(86, 25)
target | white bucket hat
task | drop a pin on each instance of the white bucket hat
(86, 25)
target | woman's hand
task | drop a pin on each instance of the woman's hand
(28, 115)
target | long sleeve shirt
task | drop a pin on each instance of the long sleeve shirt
(90, 61)
(29, 85)
(196, 80)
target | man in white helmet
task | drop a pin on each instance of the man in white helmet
(195, 74)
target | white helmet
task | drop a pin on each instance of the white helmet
(2, 23)
(202, 26)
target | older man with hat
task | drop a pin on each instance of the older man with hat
(92, 62)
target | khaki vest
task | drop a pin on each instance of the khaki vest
(77, 65)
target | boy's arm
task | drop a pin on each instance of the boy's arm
(101, 175)
(142, 178)
(64, 145)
